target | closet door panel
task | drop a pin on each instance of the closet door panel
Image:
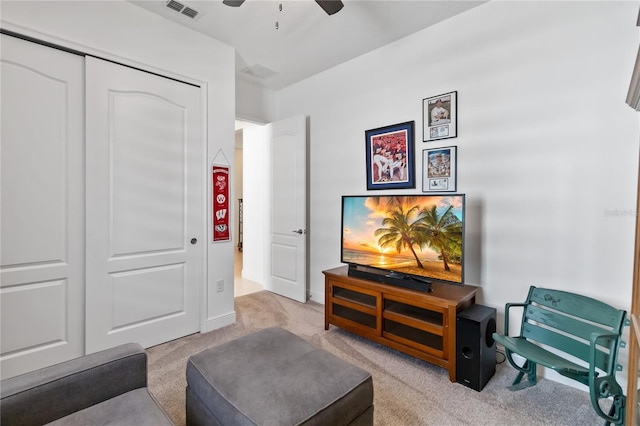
(41, 304)
(42, 206)
(157, 169)
(145, 209)
(34, 159)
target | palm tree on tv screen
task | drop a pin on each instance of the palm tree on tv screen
(441, 232)
(414, 227)
(400, 232)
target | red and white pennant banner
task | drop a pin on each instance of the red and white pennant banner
(221, 231)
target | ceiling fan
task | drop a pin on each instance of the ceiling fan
(329, 6)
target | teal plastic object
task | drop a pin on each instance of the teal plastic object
(585, 335)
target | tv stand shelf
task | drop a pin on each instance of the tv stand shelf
(417, 323)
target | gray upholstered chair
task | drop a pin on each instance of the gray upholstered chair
(107, 388)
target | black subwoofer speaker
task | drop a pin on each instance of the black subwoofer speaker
(475, 348)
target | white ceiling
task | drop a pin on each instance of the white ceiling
(308, 40)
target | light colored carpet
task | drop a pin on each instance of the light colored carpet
(407, 391)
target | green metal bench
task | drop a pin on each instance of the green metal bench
(580, 338)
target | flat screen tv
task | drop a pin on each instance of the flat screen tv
(400, 239)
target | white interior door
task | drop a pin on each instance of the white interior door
(42, 206)
(288, 233)
(145, 236)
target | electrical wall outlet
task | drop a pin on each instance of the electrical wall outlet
(220, 286)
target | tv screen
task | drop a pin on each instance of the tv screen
(409, 235)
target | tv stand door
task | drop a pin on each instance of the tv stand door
(353, 308)
(416, 324)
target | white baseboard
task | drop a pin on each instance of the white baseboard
(251, 276)
(316, 297)
(218, 322)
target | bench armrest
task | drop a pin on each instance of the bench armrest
(507, 307)
(605, 386)
(53, 392)
(613, 352)
(614, 341)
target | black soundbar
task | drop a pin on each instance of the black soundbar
(392, 278)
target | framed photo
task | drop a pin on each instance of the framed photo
(440, 117)
(390, 162)
(439, 169)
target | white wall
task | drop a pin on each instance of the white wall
(548, 150)
(547, 147)
(254, 103)
(256, 205)
(124, 32)
(238, 172)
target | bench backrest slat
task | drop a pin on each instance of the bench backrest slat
(566, 344)
(577, 305)
(565, 321)
(568, 324)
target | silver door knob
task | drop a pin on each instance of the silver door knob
(194, 240)
(300, 231)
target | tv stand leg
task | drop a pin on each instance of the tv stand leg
(327, 300)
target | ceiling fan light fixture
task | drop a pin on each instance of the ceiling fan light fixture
(330, 6)
(233, 3)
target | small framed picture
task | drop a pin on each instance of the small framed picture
(439, 169)
(440, 117)
(390, 158)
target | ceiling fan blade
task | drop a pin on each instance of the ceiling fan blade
(330, 6)
(233, 3)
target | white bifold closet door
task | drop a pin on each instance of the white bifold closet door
(144, 207)
(42, 206)
(102, 220)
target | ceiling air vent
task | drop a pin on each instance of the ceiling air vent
(183, 9)
(191, 13)
(258, 71)
(177, 6)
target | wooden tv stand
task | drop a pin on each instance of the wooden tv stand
(416, 323)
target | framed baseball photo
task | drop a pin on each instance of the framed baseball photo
(439, 169)
(390, 163)
(440, 117)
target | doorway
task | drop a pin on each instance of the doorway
(273, 190)
(242, 284)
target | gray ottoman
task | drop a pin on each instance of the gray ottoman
(273, 377)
